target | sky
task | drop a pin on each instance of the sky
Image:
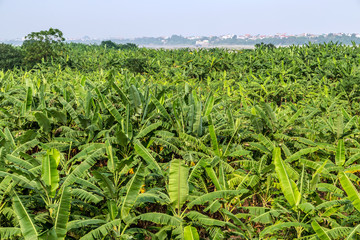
(154, 18)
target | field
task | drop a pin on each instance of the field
(182, 144)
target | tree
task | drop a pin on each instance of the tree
(10, 56)
(43, 45)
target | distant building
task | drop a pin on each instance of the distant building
(203, 43)
(229, 36)
(193, 37)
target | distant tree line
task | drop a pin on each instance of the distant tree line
(265, 45)
(111, 44)
(44, 46)
(217, 41)
(49, 46)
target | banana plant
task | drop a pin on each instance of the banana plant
(116, 223)
(42, 178)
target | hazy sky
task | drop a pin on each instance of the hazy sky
(137, 18)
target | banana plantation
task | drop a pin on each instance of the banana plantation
(182, 144)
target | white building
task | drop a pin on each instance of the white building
(203, 43)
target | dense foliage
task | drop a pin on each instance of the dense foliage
(43, 46)
(10, 56)
(111, 44)
(199, 144)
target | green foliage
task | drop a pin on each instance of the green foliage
(136, 65)
(44, 45)
(10, 57)
(111, 44)
(288, 186)
(265, 45)
(49, 172)
(190, 233)
(27, 226)
(178, 184)
(202, 144)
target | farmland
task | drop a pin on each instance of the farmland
(105, 143)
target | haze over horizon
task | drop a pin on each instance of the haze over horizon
(125, 19)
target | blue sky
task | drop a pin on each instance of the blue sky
(137, 18)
